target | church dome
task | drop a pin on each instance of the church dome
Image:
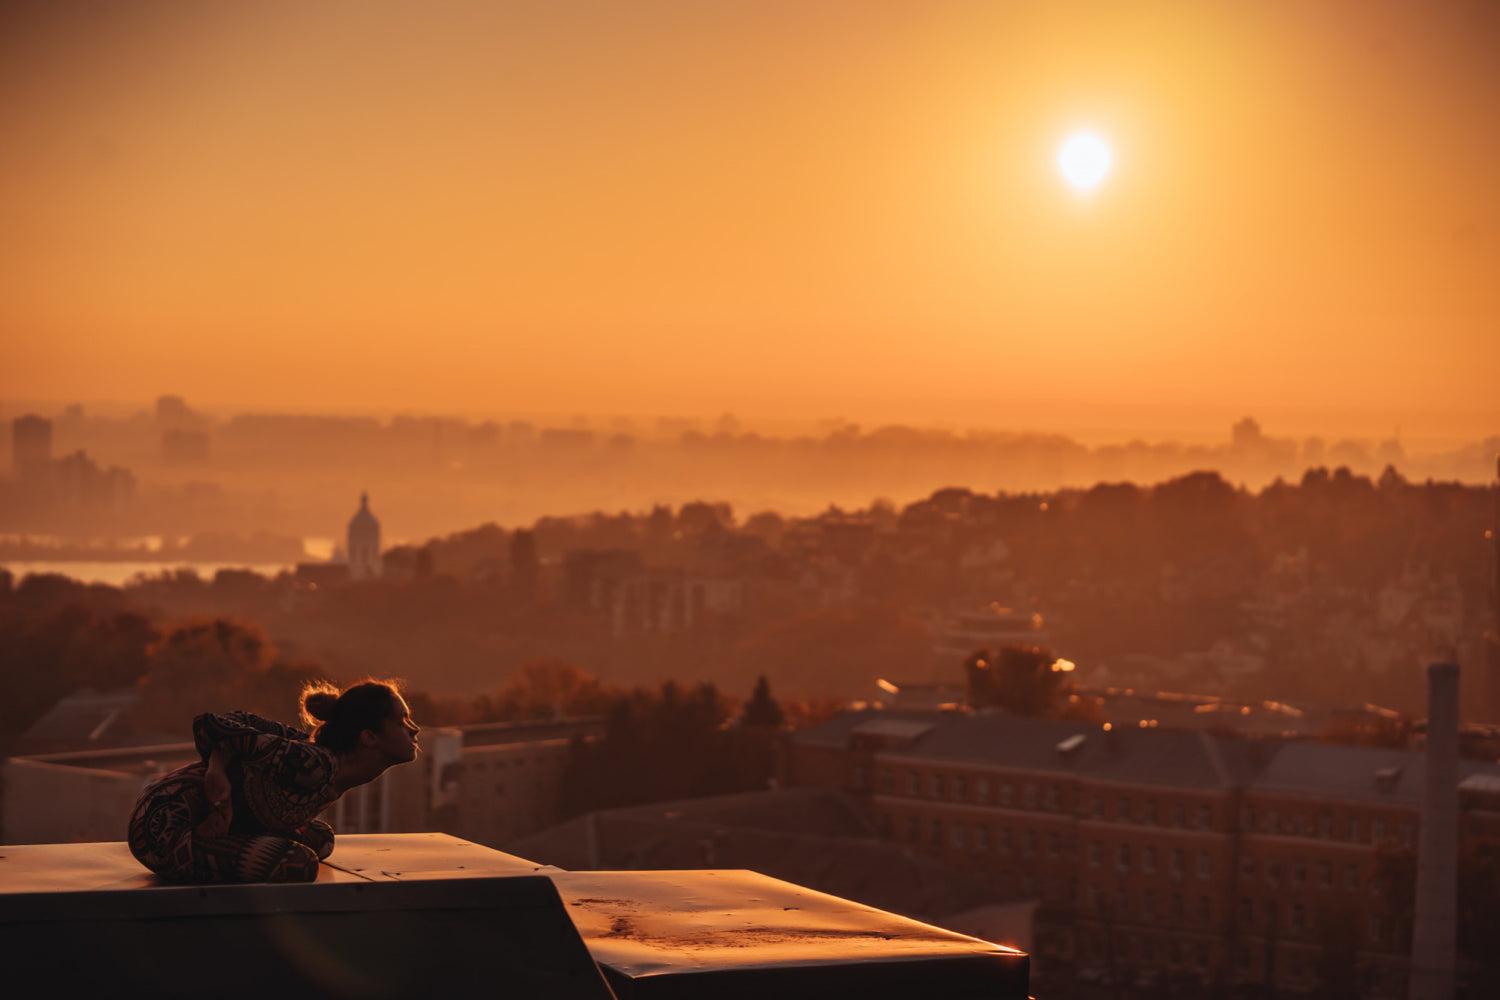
(363, 520)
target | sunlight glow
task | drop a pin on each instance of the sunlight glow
(1084, 160)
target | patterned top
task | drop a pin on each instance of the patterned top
(280, 777)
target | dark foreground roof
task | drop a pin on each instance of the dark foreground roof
(431, 915)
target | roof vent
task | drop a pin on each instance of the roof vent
(1386, 778)
(1069, 746)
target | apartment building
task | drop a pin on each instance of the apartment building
(1154, 854)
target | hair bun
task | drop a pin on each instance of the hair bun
(320, 704)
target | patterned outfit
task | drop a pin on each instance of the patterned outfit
(280, 781)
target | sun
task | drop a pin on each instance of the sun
(1084, 160)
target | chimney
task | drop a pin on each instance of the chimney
(1433, 931)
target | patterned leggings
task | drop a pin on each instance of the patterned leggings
(164, 837)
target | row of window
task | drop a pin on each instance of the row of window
(979, 836)
(1176, 860)
(1150, 949)
(1296, 874)
(1299, 921)
(1029, 795)
(1120, 905)
(1325, 826)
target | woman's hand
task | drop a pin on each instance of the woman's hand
(216, 786)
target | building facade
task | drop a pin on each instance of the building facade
(1155, 855)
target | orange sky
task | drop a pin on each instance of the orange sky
(779, 208)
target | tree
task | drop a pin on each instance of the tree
(762, 710)
(218, 666)
(546, 688)
(1023, 680)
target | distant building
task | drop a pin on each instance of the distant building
(491, 783)
(321, 574)
(31, 448)
(79, 481)
(184, 447)
(364, 542)
(989, 628)
(1155, 853)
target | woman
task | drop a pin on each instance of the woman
(246, 812)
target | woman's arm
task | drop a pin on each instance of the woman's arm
(217, 787)
(239, 734)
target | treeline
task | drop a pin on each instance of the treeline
(59, 637)
(668, 741)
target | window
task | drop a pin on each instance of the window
(1122, 810)
(1028, 843)
(1351, 876)
(1299, 917)
(1053, 797)
(1005, 793)
(1205, 817)
(1408, 832)
(1028, 795)
(1273, 914)
(1273, 873)
(1325, 826)
(1205, 911)
(1054, 845)
(937, 786)
(1096, 854)
(1177, 910)
(913, 783)
(982, 838)
(1148, 859)
(1179, 814)
(1325, 874)
(1377, 830)
(957, 838)
(1148, 811)
(1247, 913)
(1299, 872)
(887, 782)
(885, 824)
(1096, 807)
(1122, 858)
(1247, 817)
(1205, 864)
(1005, 839)
(861, 775)
(937, 833)
(1247, 866)
(1148, 903)
(1179, 862)
(1354, 828)
(1273, 821)
(960, 788)
(982, 790)
(913, 832)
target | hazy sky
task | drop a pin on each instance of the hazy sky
(780, 208)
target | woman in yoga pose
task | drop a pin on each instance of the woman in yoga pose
(246, 812)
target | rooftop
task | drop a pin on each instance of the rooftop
(415, 914)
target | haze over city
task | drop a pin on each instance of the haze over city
(1027, 471)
